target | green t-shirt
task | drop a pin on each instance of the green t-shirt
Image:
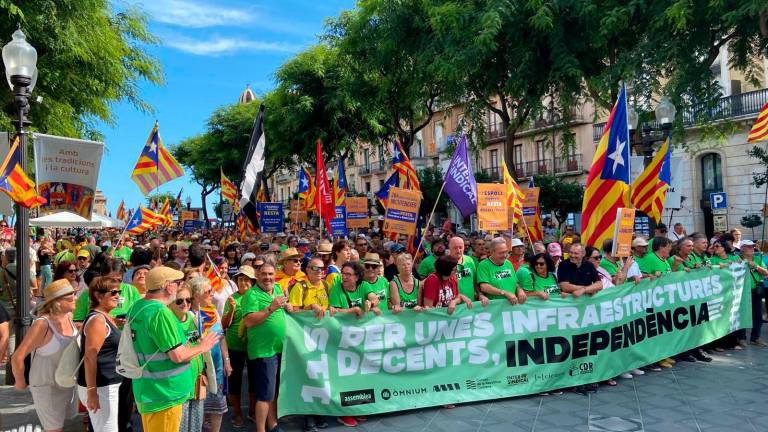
(192, 334)
(339, 299)
(465, 274)
(380, 289)
(164, 384)
(651, 264)
(694, 258)
(283, 247)
(502, 277)
(427, 266)
(266, 339)
(755, 278)
(124, 253)
(531, 281)
(407, 301)
(232, 334)
(715, 260)
(609, 267)
(128, 296)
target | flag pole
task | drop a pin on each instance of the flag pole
(434, 207)
(765, 203)
(213, 266)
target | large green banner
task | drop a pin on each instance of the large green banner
(346, 366)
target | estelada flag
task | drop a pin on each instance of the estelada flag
(649, 190)
(156, 165)
(213, 278)
(608, 179)
(759, 131)
(15, 182)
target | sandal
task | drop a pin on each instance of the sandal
(612, 382)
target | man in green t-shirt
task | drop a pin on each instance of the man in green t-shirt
(753, 281)
(496, 276)
(160, 342)
(427, 266)
(655, 264)
(466, 271)
(264, 306)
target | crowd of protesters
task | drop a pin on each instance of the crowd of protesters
(195, 341)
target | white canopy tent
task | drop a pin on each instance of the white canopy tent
(71, 220)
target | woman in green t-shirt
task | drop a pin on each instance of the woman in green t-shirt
(540, 281)
(722, 254)
(192, 410)
(345, 294)
(404, 288)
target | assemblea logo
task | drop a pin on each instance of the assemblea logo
(357, 397)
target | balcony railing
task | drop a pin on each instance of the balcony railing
(573, 164)
(284, 177)
(739, 105)
(374, 167)
(494, 173)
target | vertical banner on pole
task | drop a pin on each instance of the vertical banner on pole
(402, 211)
(492, 210)
(622, 233)
(339, 222)
(271, 217)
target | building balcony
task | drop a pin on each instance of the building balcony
(284, 178)
(727, 108)
(558, 166)
(494, 173)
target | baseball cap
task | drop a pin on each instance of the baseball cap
(639, 241)
(747, 243)
(160, 275)
(554, 249)
(248, 256)
(84, 253)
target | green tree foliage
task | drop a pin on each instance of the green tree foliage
(311, 102)
(559, 196)
(392, 56)
(431, 180)
(159, 198)
(752, 221)
(91, 55)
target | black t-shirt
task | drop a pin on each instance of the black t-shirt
(584, 275)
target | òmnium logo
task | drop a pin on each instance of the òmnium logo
(388, 394)
(581, 369)
(357, 397)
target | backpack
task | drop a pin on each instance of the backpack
(69, 365)
(127, 363)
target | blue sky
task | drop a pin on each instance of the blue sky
(210, 50)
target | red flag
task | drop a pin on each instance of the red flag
(324, 199)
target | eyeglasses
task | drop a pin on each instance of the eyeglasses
(347, 274)
(317, 268)
(293, 260)
(541, 263)
(371, 266)
(181, 301)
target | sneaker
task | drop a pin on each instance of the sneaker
(556, 392)
(611, 382)
(653, 368)
(626, 375)
(347, 421)
(637, 372)
(738, 347)
(665, 364)
(759, 342)
(700, 356)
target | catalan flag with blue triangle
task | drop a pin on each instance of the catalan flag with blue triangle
(340, 185)
(608, 180)
(15, 182)
(156, 165)
(649, 190)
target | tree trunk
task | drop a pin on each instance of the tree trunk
(509, 148)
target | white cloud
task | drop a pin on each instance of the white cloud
(219, 46)
(193, 14)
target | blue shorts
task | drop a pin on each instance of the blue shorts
(265, 377)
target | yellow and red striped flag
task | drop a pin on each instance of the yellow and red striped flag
(759, 131)
(156, 165)
(121, 211)
(650, 188)
(165, 212)
(515, 195)
(15, 182)
(608, 179)
(228, 189)
(213, 277)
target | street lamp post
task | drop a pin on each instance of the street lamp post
(189, 203)
(665, 115)
(20, 60)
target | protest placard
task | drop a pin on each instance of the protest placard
(492, 210)
(357, 212)
(402, 211)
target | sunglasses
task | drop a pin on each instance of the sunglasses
(361, 244)
(72, 271)
(541, 263)
(317, 268)
(371, 266)
(113, 293)
(82, 258)
(293, 260)
(597, 257)
(348, 274)
(181, 301)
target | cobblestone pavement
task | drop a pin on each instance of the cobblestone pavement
(728, 394)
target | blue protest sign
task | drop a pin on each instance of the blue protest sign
(271, 219)
(339, 222)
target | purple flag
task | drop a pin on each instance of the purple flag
(460, 184)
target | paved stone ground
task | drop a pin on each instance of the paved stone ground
(729, 394)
